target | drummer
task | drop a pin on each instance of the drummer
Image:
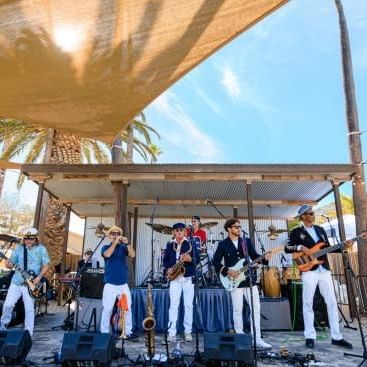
(197, 233)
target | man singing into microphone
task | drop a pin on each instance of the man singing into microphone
(115, 278)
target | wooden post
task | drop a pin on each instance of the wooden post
(37, 214)
(339, 211)
(235, 212)
(117, 193)
(64, 250)
(124, 216)
(250, 211)
(135, 234)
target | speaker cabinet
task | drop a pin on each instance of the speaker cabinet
(295, 301)
(88, 306)
(17, 316)
(14, 346)
(228, 347)
(275, 314)
(78, 347)
(91, 284)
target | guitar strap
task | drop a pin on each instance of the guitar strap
(244, 247)
(25, 258)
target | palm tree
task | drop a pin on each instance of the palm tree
(157, 151)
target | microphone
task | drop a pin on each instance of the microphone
(222, 235)
(157, 199)
(325, 216)
(244, 233)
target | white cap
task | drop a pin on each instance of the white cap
(30, 232)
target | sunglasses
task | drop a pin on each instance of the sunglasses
(115, 233)
(310, 213)
(236, 227)
(30, 238)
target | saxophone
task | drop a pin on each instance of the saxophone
(149, 324)
(178, 268)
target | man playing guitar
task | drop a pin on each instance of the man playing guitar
(29, 255)
(304, 238)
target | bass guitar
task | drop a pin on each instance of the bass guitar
(36, 291)
(230, 283)
(306, 262)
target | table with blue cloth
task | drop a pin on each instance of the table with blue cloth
(215, 310)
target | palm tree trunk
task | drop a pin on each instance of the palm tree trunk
(359, 193)
(65, 149)
(130, 143)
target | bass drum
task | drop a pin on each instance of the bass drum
(270, 281)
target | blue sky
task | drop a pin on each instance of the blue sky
(272, 95)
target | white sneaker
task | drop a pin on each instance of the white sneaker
(261, 344)
(188, 338)
(2, 327)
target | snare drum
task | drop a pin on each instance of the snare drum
(290, 273)
(270, 281)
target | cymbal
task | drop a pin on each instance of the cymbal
(208, 224)
(161, 228)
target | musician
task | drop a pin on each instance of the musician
(87, 260)
(195, 231)
(180, 249)
(231, 250)
(303, 238)
(29, 255)
(116, 278)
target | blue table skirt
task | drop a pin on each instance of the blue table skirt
(215, 310)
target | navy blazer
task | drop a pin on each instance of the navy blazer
(169, 258)
(299, 236)
(227, 251)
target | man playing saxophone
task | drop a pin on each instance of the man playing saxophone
(180, 268)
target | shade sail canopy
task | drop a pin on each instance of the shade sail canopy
(89, 66)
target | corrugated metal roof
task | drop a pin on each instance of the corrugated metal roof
(182, 190)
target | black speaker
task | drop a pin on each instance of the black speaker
(14, 346)
(228, 347)
(91, 285)
(87, 347)
(295, 301)
(275, 314)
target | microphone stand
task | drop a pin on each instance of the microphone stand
(346, 268)
(150, 276)
(213, 205)
(262, 248)
(197, 356)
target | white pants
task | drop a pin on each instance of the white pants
(176, 287)
(14, 293)
(323, 279)
(237, 304)
(110, 293)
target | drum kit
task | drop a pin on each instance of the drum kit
(205, 269)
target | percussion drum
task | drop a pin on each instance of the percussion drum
(290, 273)
(270, 281)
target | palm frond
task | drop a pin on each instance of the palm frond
(17, 145)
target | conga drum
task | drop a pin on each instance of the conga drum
(270, 281)
(290, 273)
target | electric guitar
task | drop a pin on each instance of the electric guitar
(36, 291)
(230, 283)
(306, 262)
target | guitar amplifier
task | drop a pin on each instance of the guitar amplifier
(91, 284)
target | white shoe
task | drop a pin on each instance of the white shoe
(2, 327)
(261, 344)
(188, 338)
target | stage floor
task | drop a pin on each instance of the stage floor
(46, 341)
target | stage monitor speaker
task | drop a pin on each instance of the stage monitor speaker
(295, 301)
(275, 314)
(91, 285)
(79, 347)
(14, 346)
(228, 347)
